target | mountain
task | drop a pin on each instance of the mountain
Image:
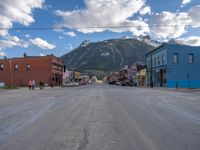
(147, 39)
(106, 55)
(176, 42)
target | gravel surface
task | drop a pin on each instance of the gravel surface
(99, 117)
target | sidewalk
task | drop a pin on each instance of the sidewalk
(188, 90)
(2, 90)
(174, 89)
(37, 88)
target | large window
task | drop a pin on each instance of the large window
(163, 59)
(149, 63)
(191, 58)
(1, 66)
(155, 62)
(158, 60)
(175, 58)
(28, 67)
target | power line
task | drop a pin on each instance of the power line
(93, 27)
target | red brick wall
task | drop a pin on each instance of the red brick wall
(5, 73)
(40, 70)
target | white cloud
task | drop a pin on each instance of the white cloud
(17, 11)
(60, 37)
(69, 47)
(192, 40)
(184, 2)
(12, 41)
(170, 25)
(27, 35)
(41, 54)
(145, 10)
(105, 14)
(194, 13)
(2, 54)
(173, 25)
(71, 34)
(42, 43)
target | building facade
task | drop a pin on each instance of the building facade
(174, 66)
(71, 76)
(141, 77)
(18, 71)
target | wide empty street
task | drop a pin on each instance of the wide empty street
(99, 117)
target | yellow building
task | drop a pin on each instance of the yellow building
(141, 77)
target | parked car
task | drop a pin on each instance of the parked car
(71, 84)
(112, 82)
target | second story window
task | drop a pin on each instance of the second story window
(1, 66)
(158, 60)
(16, 66)
(191, 58)
(149, 64)
(163, 59)
(175, 58)
(28, 67)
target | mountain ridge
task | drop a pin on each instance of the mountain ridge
(107, 55)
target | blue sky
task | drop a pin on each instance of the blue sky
(134, 17)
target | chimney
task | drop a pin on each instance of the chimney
(25, 55)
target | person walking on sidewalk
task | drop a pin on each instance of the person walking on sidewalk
(29, 84)
(33, 85)
(41, 85)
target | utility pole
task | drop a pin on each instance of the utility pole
(151, 71)
(10, 62)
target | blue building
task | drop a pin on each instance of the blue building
(172, 65)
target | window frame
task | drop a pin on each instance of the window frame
(163, 59)
(16, 68)
(191, 54)
(177, 58)
(28, 67)
(2, 66)
(159, 61)
(149, 63)
(155, 62)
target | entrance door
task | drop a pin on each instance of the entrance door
(161, 77)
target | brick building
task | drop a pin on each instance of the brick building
(18, 71)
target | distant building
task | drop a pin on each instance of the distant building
(71, 76)
(77, 76)
(18, 71)
(137, 75)
(172, 65)
(141, 77)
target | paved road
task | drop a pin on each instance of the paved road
(99, 117)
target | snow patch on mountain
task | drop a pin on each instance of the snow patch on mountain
(85, 43)
(106, 54)
(147, 39)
